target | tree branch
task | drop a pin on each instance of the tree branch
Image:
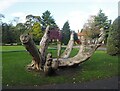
(82, 54)
(44, 45)
(69, 47)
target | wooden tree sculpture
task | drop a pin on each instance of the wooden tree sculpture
(69, 47)
(33, 50)
(38, 55)
(40, 59)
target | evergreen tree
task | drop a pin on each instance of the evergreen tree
(101, 21)
(75, 36)
(113, 42)
(47, 19)
(66, 33)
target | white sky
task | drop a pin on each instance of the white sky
(75, 11)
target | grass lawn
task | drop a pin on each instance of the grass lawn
(12, 48)
(100, 65)
(19, 48)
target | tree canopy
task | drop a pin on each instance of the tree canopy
(94, 23)
(47, 19)
(33, 25)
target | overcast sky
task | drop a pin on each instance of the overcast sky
(75, 11)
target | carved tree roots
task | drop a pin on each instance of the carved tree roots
(42, 61)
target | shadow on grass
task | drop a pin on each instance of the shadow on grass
(67, 71)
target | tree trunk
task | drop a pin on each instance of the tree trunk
(55, 64)
(44, 45)
(33, 50)
(48, 65)
(59, 48)
(69, 47)
(82, 54)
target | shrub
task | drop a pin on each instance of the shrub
(113, 38)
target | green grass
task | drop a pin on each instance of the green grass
(54, 52)
(22, 48)
(14, 72)
(99, 66)
(12, 48)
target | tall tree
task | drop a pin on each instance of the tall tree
(101, 20)
(19, 29)
(47, 19)
(92, 27)
(33, 25)
(113, 42)
(66, 33)
(1, 16)
(37, 32)
(75, 36)
(29, 23)
(7, 33)
(30, 20)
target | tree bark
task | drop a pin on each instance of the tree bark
(59, 48)
(33, 50)
(44, 45)
(39, 56)
(48, 64)
(82, 54)
(69, 47)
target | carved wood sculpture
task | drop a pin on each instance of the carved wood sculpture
(44, 45)
(82, 54)
(69, 47)
(39, 56)
(48, 64)
(33, 50)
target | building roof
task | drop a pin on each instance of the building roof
(81, 34)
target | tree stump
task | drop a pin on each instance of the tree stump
(33, 50)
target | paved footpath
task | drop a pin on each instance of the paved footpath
(108, 83)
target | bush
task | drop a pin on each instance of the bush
(113, 38)
(112, 49)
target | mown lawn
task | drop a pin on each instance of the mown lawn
(99, 66)
(12, 48)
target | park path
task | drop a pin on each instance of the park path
(100, 48)
(107, 83)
